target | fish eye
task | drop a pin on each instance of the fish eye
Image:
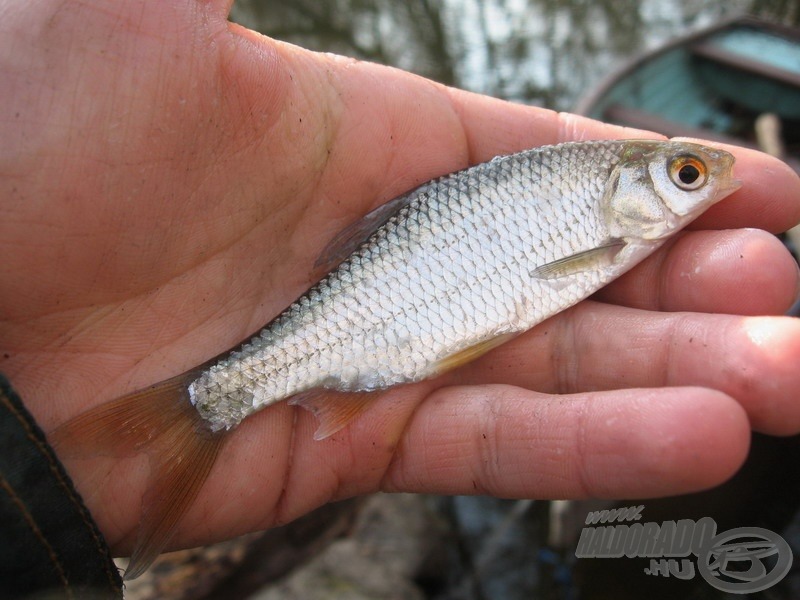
(688, 172)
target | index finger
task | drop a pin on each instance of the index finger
(769, 198)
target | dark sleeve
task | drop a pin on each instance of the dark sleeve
(49, 545)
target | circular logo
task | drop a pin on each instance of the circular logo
(733, 561)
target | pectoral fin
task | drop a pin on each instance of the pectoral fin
(601, 256)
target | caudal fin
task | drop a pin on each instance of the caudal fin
(161, 422)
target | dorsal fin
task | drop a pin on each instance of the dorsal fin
(351, 237)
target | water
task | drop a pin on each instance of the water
(542, 52)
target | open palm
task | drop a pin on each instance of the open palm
(168, 180)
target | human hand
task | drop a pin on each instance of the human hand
(169, 179)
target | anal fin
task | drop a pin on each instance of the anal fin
(334, 409)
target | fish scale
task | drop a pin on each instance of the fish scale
(427, 282)
(455, 267)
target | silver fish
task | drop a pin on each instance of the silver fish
(430, 281)
(464, 263)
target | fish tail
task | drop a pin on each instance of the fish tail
(161, 422)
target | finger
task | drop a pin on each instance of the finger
(743, 271)
(272, 471)
(769, 198)
(596, 346)
(508, 442)
(493, 439)
(493, 126)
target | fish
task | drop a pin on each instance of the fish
(420, 286)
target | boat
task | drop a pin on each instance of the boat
(736, 82)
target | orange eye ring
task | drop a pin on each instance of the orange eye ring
(688, 172)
